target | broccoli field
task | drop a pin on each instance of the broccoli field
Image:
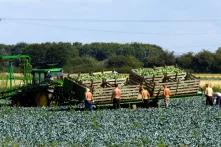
(187, 121)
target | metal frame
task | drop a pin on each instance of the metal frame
(37, 73)
(25, 60)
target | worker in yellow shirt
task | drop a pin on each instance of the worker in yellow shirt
(209, 95)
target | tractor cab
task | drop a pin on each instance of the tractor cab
(50, 74)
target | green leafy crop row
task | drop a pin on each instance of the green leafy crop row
(101, 76)
(186, 122)
(158, 71)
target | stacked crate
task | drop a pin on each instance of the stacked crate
(93, 83)
(180, 84)
(102, 89)
(129, 94)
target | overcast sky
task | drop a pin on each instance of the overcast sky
(180, 26)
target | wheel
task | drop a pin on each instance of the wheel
(16, 103)
(54, 99)
(16, 100)
(42, 100)
(54, 103)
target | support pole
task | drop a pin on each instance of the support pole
(10, 78)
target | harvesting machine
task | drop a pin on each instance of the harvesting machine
(46, 86)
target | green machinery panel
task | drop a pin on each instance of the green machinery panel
(73, 90)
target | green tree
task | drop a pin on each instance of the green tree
(123, 63)
(83, 64)
(203, 61)
(185, 60)
(217, 62)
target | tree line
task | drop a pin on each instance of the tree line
(78, 57)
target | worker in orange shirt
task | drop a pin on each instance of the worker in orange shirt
(145, 96)
(116, 97)
(88, 100)
(166, 95)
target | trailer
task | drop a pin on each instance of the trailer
(102, 87)
(180, 83)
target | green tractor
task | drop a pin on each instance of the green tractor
(38, 87)
(45, 90)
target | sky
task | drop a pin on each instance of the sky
(179, 26)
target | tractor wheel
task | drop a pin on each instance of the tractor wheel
(16, 103)
(54, 103)
(53, 99)
(16, 100)
(42, 100)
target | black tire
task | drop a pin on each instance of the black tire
(42, 100)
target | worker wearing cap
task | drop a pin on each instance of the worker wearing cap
(145, 96)
(209, 95)
(166, 95)
(116, 97)
(88, 100)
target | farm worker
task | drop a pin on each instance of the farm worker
(140, 93)
(88, 100)
(166, 95)
(49, 76)
(116, 96)
(145, 96)
(218, 98)
(209, 95)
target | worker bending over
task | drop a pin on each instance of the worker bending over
(217, 100)
(116, 97)
(88, 100)
(166, 95)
